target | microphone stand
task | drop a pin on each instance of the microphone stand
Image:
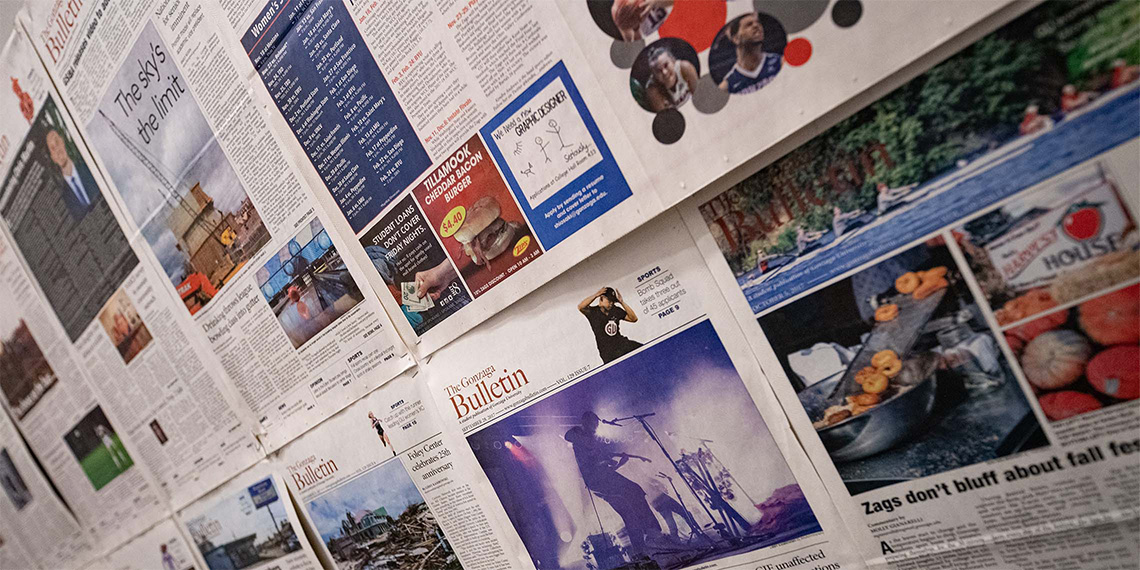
(653, 435)
(694, 527)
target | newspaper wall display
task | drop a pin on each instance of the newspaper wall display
(626, 424)
(248, 523)
(944, 292)
(209, 199)
(702, 89)
(162, 386)
(33, 517)
(459, 143)
(78, 439)
(123, 408)
(381, 486)
(162, 547)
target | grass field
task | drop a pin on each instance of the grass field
(100, 468)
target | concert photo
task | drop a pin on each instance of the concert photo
(660, 460)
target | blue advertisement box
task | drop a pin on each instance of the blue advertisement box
(554, 158)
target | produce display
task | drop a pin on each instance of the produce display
(1082, 359)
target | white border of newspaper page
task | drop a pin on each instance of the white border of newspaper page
(621, 417)
(722, 96)
(380, 484)
(953, 330)
(210, 197)
(465, 145)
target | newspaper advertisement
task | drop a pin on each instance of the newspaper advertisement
(248, 523)
(623, 422)
(944, 292)
(209, 198)
(701, 89)
(34, 518)
(461, 143)
(379, 486)
(162, 547)
(160, 384)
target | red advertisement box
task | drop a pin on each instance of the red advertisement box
(474, 214)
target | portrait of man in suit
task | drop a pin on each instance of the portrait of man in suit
(77, 186)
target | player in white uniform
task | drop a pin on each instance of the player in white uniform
(118, 455)
(754, 67)
(636, 19)
(671, 80)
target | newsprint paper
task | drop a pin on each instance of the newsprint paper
(943, 292)
(210, 201)
(621, 421)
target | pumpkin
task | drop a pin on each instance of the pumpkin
(1116, 372)
(1030, 330)
(1066, 404)
(1055, 359)
(1113, 318)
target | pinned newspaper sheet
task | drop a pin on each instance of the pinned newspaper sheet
(464, 147)
(13, 552)
(621, 421)
(67, 424)
(950, 317)
(210, 201)
(249, 523)
(79, 311)
(702, 89)
(159, 383)
(382, 487)
(33, 519)
(163, 547)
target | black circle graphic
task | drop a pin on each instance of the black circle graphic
(668, 126)
(845, 13)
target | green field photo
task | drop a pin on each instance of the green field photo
(98, 448)
(99, 465)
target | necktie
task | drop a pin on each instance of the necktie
(73, 181)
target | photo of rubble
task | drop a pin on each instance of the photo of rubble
(380, 520)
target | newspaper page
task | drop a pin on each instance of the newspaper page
(211, 201)
(34, 518)
(13, 553)
(380, 486)
(754, 72)
(159, 384)
(163, 547)
(249, 523)
(462, 143)
(943, 290)
(635, 433)
(72, 432)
